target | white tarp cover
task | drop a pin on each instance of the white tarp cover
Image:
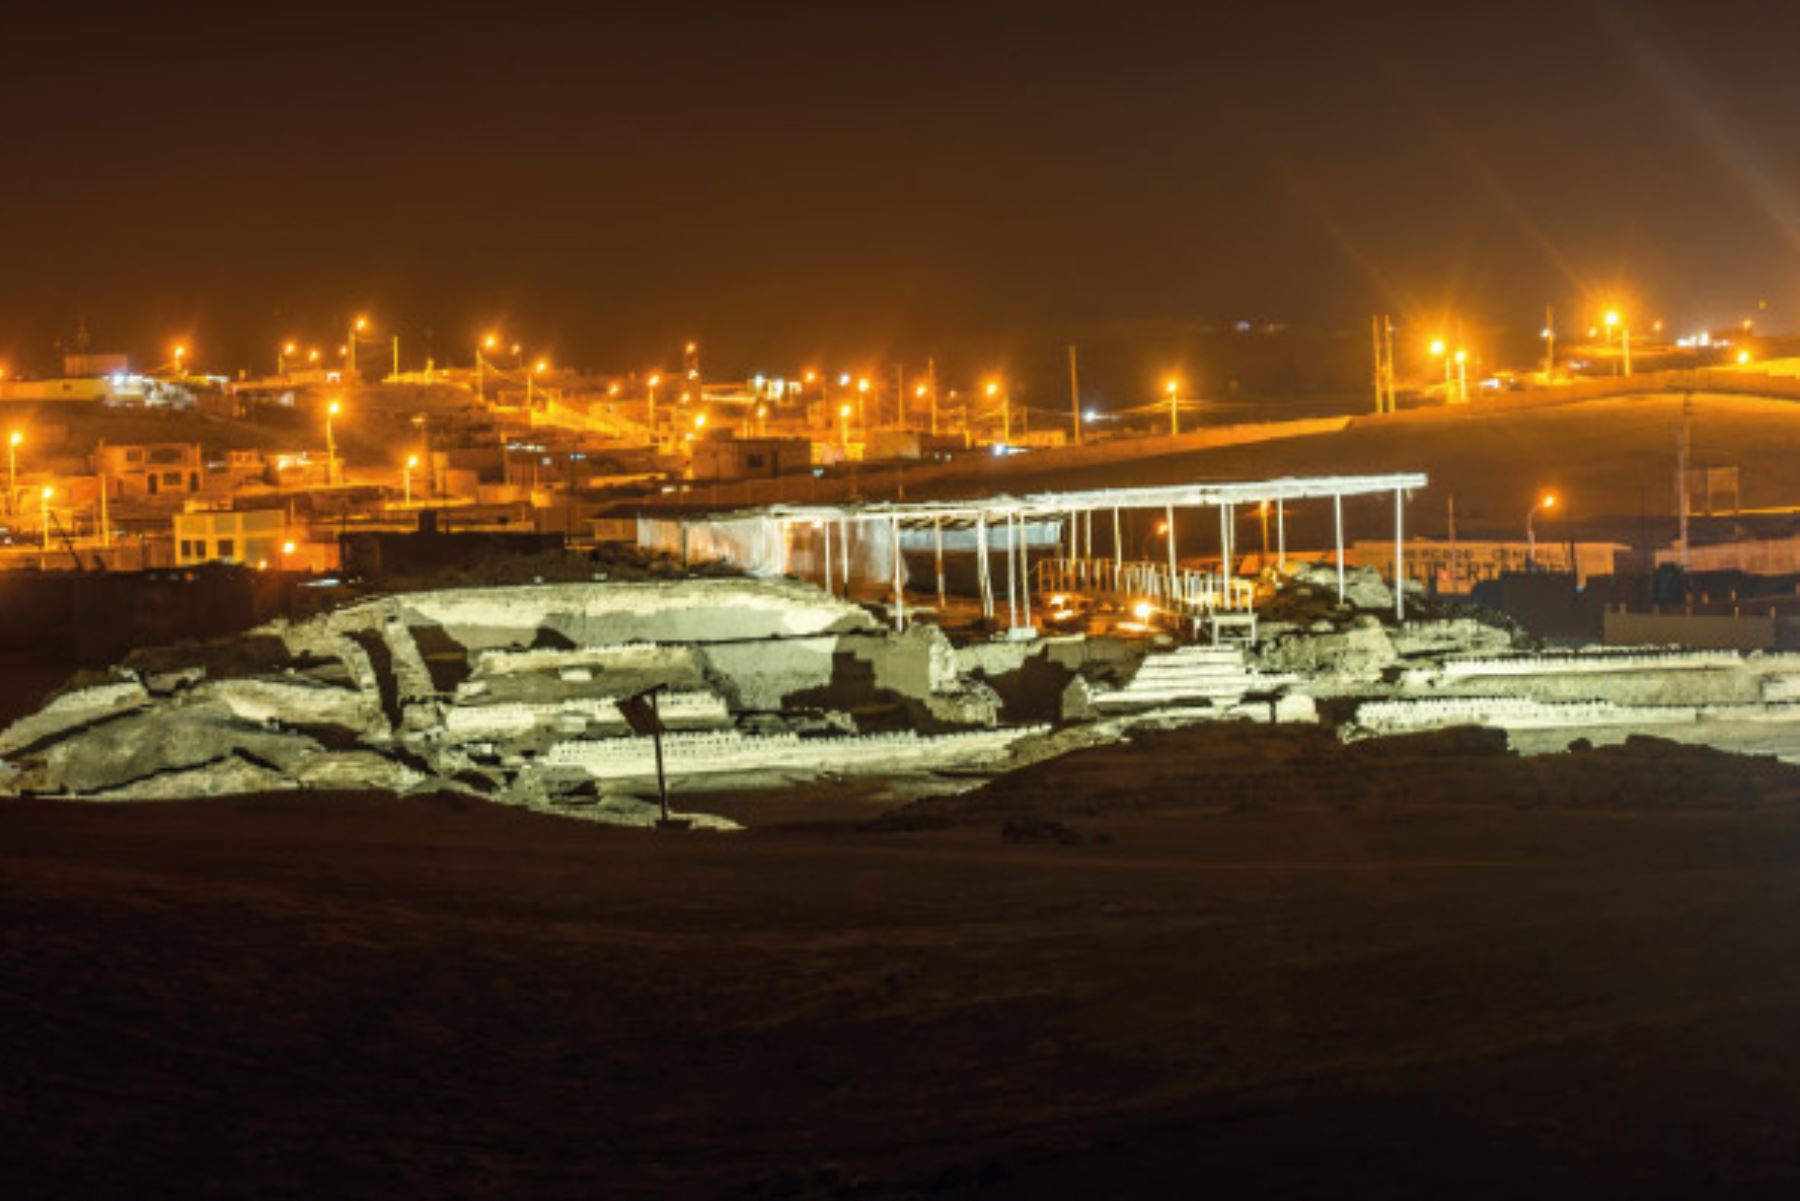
(766, 546)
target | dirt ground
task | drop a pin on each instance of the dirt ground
(1216, 959)
(1611, 458)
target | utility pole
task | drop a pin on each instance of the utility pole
(1380, 370)
(1074, 395)
(1549, 344)
(900, 395)
(396, 355)
(1393, 403)
(931, 387)
(1682, 443)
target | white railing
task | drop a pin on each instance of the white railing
(1185, 591)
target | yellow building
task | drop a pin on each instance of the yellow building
(253, 537)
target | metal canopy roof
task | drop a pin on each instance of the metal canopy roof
(1035, 504)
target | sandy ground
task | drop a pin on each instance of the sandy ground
(1222, 959)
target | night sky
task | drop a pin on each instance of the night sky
(832, 184)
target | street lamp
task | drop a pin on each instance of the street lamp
(844, 421)
(862, 405)
(357, 326)
(653, 381)
(180, 354)
(44, 512)
(1462, 375)
(331, 463)
(538, 368)
(281, 357)
(1546, 502)
(1173, 389)
(487, 343)
(12, 469)
(412, 461)
(994, 389)
(1613, 320)
(1439, 350)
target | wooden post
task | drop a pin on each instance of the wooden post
(662, 779)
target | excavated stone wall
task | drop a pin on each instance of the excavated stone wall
(509, 692)
(514, 692)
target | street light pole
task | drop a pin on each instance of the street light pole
(12, 469)
(1547, 503)
(331, 463)
(1174, 390)
(412, 461)
(1074, 396)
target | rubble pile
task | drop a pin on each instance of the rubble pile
(513, 693)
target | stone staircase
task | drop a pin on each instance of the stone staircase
(1216, 675)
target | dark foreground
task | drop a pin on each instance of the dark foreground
(1291, 972)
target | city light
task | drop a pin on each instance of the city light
(1437, 348)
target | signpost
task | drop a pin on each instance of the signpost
(640, 713)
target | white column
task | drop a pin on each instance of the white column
(1225, 555)
(1169, 516)
(1280, 536)
(1337, 512)
(983, 583)
(1025, 570)
(1012, 595)
(1118, 551)
(937, 538)
(1399, 556)
(899, 566)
